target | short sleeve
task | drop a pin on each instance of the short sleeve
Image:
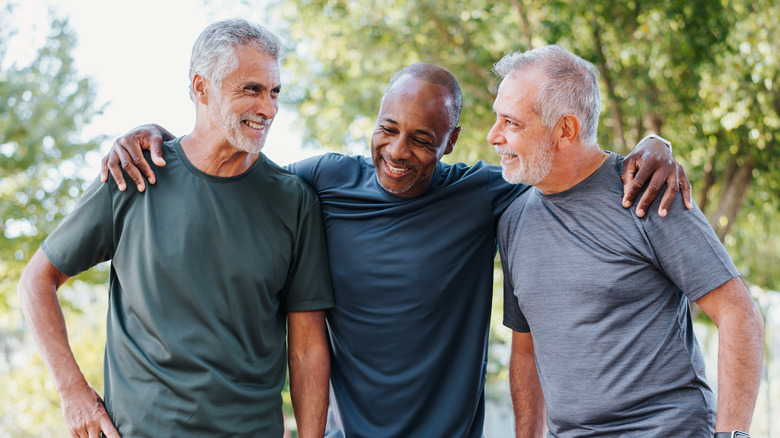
(513, 316)
(309, 286)
(84, 238)
(687, 250)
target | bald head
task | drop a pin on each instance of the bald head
(435, 75)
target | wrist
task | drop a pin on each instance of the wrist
(664, 141)
(732, 434)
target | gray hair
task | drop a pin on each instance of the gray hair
(213, 54)
(571, 87)
(435, 75)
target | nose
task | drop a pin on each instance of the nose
(397, 148)
(267, 106)
(493, 137)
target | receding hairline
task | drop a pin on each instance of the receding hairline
(436, 75)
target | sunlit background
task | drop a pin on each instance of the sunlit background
(703, 73)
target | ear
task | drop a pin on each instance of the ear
(199, 85)
(568, 131)
(452, 140)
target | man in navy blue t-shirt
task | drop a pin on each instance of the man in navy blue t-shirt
(411, 242)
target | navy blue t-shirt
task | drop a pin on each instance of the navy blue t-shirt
(413, 281)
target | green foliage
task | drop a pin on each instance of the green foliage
(43, 107)
(704, 74)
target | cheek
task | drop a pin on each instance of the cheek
(427, 160)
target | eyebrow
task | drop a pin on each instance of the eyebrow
(258, 85)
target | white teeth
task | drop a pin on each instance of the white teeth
(396, 169)
(254, 125)
(505, 154)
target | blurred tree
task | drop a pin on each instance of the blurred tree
(43, 107)
(701, 73)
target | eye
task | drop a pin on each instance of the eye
(275, 92)
(251, 91)
(421, 142)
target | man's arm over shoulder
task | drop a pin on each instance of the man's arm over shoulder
(740, 336)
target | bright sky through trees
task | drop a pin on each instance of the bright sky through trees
(137, 53)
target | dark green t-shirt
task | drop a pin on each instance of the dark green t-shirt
(204, 270)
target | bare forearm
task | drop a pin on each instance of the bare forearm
(739, 370)
(526, 390)
(82, 408)
(46, 322)
(309, 391)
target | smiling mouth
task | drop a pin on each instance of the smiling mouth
(505, 155)
(255, 125)
(396, 170)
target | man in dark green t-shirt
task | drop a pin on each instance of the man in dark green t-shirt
(208, 272)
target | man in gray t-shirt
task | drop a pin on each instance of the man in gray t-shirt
(603, 339)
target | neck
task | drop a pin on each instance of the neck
(571, 166)
(216, 156)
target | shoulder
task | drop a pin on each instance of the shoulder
(333, 170)
(289, 184)
(463, 170)
(513, 211)
(330, 162)
(479, 173)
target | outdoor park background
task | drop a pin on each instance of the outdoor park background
(74, 74)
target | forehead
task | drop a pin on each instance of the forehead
(255, 65)
(517, 92)
(414, 100)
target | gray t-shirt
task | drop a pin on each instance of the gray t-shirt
(204, 271)
(605, 296)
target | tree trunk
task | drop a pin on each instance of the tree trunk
(733, 197)
(526, 26)
(709, 181)
(614, 106)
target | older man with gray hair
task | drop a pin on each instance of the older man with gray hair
(215, 274)
(598, 297)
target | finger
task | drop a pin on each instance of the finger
(156, 144)
(627, 177)
(651, 192)
(632, 190)
(685, 187)
(140, 168)
(127, 163)
(672, 188)
(112, 162)
(104, 169)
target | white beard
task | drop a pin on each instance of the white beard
(231, 124)
(530, 170)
